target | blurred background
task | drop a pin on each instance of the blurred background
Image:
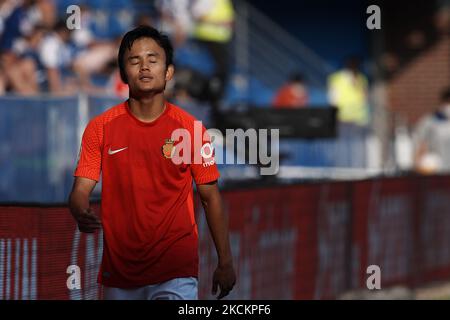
(364, 119)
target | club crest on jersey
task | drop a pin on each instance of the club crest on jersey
(168, 149)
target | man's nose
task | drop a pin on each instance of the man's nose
(145, 66)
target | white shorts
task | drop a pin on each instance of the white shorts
(175, 289)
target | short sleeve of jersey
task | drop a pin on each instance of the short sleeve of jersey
(89, 158)
(203, 166)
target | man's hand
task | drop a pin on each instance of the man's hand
(85, 217)
(87, 220)
(225, 278)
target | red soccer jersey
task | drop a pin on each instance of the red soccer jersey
(150, 233)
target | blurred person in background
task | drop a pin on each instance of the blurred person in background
(11, 16)
(292, 94)
(2, 82)
(432, 139)
(3, 15)
(19, 21)
(181, 94)
(92, 55)
(213, 29)
(56, 57)
(41, 12)
(19, 18)
(348, 91)
(176, 19)
(28, 72)
(2, 77)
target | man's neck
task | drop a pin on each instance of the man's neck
(147, 109)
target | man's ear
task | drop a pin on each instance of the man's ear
(169, 72)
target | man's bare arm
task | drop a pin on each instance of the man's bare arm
(79, 206)
(54, 80)
(224, 276)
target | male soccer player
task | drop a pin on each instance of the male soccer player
(150, 235)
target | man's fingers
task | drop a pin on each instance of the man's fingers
(224, 290)
(89, 228)
(89, 223)
(86, 230)
(88, 218)
(89, 212)
(223, 293)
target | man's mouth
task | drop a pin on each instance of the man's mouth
(145, 78)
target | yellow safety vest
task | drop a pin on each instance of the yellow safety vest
(216, 24)
(348, 94)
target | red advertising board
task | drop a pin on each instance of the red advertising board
(309, 241)
(384, 221)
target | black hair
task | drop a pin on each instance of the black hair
(296, 77)
(143, 32)
(352, 61)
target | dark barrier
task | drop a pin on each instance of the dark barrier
(310, 241)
